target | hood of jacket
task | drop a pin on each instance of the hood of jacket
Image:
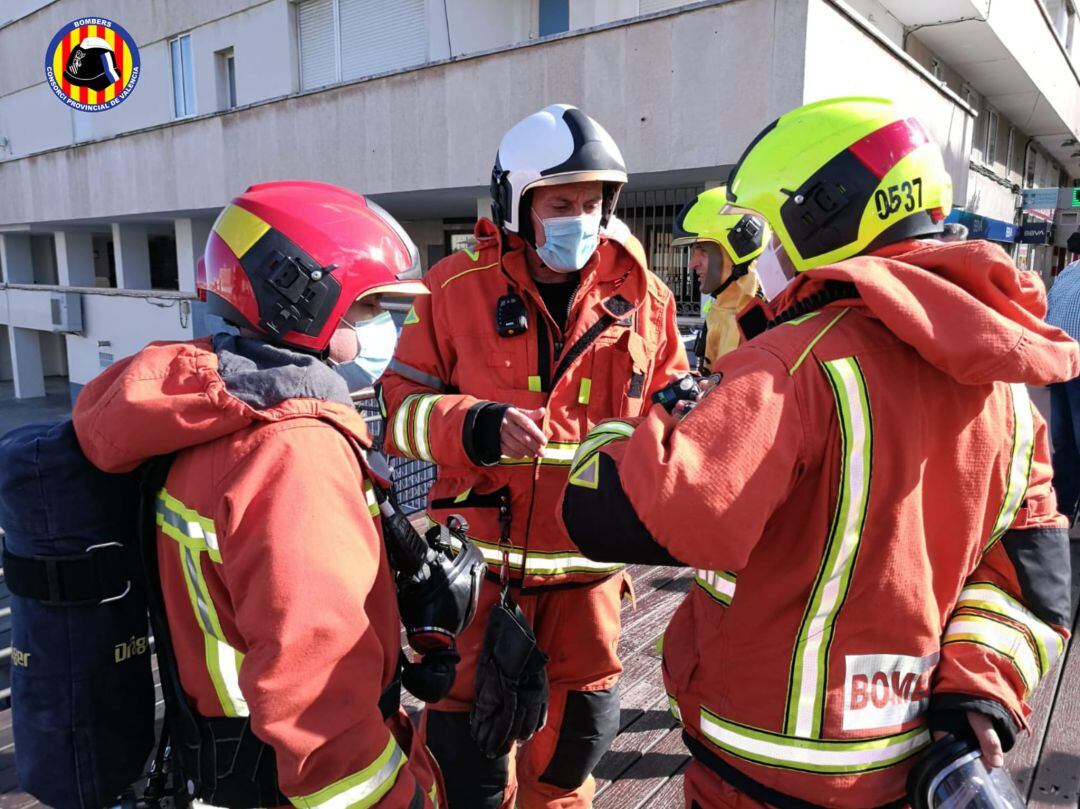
(172, 396)
(964, 306)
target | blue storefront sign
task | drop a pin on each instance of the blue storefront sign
(983, 227)
(1035, 233)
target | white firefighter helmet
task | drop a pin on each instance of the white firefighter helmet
(559, 144)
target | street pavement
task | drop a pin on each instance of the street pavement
(55, 405)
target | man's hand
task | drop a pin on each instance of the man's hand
(987, 737)
(989, 742)
(521, 436)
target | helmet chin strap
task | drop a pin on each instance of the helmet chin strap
(737, 272)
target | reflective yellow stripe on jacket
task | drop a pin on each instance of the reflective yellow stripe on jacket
(410, 425)
(719, 585)
(362, 789)
(585, 468)
(1023, 448)
(988, 616)
(810, 664)
(195, 536)
(823, 756)
(556, 453)
(536, 563)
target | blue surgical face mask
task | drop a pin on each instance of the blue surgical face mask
(377, 338)
(569, 241)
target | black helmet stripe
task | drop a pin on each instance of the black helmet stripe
(590, 153)
(289, 297)
(680, 231)
(824, 213)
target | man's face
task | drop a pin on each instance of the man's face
(711, 264)
(344, 345)
(570, 199)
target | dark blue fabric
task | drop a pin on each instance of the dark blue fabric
(1065, 435)
(82, 691)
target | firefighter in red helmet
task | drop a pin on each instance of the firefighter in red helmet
(281, 607)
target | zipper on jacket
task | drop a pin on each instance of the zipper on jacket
(566, 329)
(543, 354)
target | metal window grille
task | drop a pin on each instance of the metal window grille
(650, 215)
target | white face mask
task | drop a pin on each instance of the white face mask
(376, 338)
(770, 270)
(569, 241)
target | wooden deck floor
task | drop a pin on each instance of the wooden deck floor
(646, 762)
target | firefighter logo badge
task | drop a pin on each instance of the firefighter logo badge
(92, 64)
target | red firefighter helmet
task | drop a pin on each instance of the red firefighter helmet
(287, 259)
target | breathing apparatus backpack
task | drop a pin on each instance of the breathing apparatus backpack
(80, 560)
(82, 694)
(81, 564)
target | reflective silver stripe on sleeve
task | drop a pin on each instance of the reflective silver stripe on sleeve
(416, 375)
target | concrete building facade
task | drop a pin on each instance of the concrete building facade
(103, 215)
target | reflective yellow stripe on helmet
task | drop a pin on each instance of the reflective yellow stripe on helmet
(240, 229)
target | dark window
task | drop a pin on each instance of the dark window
(163, 270)
(554, 16)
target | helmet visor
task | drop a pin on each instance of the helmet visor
(735, 210)
(965, 783)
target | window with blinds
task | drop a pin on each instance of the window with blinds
(317, 30)
(649, 6)
(341, 40)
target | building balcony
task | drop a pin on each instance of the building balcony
(1011, 54)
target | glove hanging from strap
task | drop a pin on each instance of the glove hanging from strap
(511, 682)
(511, 676)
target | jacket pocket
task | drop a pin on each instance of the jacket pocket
(501, 365)
(620, 375)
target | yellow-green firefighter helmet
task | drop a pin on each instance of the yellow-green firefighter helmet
(708, 217)
(840, 177)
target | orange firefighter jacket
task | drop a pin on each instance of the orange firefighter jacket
(279, 599)
(866, 496)
(621, 345)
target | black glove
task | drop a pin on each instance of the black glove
(511, 682)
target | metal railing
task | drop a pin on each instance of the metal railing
(650, 215)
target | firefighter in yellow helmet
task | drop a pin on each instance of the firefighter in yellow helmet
(865, 492)
(724, 242)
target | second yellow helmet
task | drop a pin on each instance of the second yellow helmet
(709, 217)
